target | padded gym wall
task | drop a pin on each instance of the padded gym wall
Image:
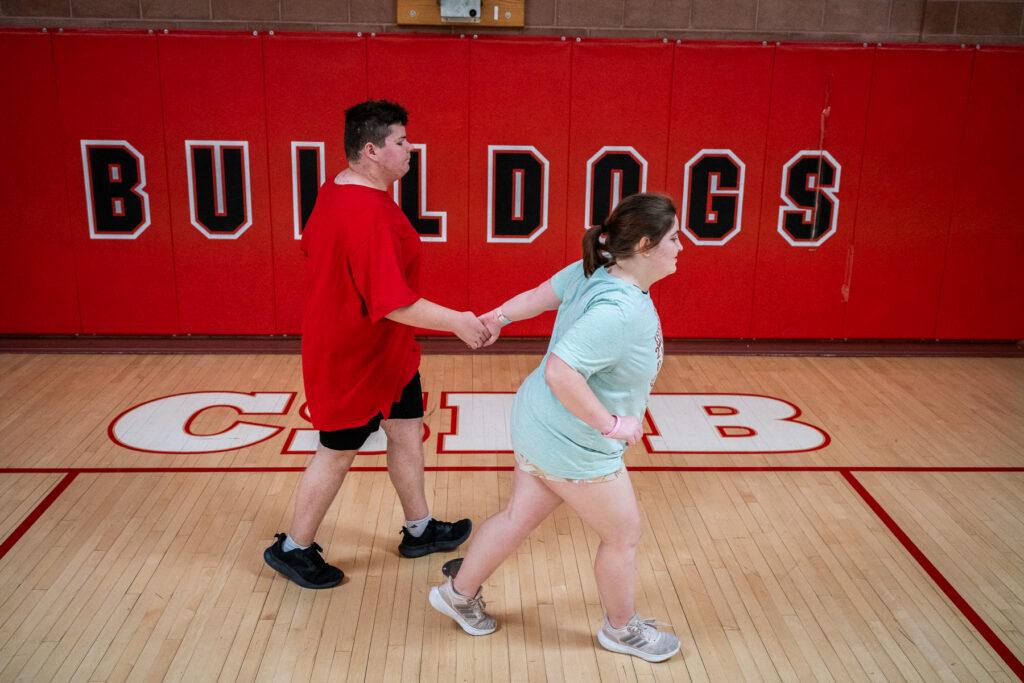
(38, 291)
(310, 81)
(126, 282)
(157, 184)
(436, 190)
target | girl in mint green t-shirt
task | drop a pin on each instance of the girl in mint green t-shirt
(574, 415)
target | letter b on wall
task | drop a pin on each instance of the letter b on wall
(115, 175)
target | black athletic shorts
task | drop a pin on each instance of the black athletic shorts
(408, 407)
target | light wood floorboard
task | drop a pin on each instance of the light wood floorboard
(765, 575)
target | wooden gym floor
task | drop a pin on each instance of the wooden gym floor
(890, 546)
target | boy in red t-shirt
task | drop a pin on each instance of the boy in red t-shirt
(359, 357)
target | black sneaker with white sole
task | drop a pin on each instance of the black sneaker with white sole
(304, 566)
(451, 567)
(438, 536)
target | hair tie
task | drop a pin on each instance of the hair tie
(614, 428)
(607, 255)
(602, 238)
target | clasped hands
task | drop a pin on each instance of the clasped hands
(478, 331)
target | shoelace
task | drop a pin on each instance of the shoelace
(478, 606)
(315, 557)
(648, 628)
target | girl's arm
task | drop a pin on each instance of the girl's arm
(573, 392)
(523, 306)
(531, 303)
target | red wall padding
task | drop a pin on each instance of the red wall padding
(799, 291)
(918, 97)
(213, 90)
(310, 81)
(612, 107)
(720, 100)
(982, 287)
(422, 80)
(125, 286)
(927, 243)
(519, 95)
(38, 290)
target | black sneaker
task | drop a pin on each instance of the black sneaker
(437, 536)
(451, 567)
(304, 566)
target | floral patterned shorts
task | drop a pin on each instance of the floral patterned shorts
(528, 467)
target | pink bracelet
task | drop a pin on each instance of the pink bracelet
(615, 427)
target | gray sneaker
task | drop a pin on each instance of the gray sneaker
(467, 612)
(639, 638)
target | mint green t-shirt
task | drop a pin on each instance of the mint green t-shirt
(607, 330)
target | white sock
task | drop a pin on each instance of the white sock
(290, 545)
(416, 527)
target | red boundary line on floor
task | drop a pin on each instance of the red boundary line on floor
(494, 468)
(936, 576)
(27, 523)
(973, 617)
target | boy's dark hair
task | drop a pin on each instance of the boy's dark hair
(369, 122)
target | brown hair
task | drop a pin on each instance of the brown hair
(370, 121)
(648, 214)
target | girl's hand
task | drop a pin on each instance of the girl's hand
(628, 429)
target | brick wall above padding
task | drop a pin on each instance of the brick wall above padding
(887, 21)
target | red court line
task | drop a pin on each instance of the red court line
(496, 468)
(36, 513)
(823, 468)
(973, 617)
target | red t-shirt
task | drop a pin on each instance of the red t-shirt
(364, 262)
